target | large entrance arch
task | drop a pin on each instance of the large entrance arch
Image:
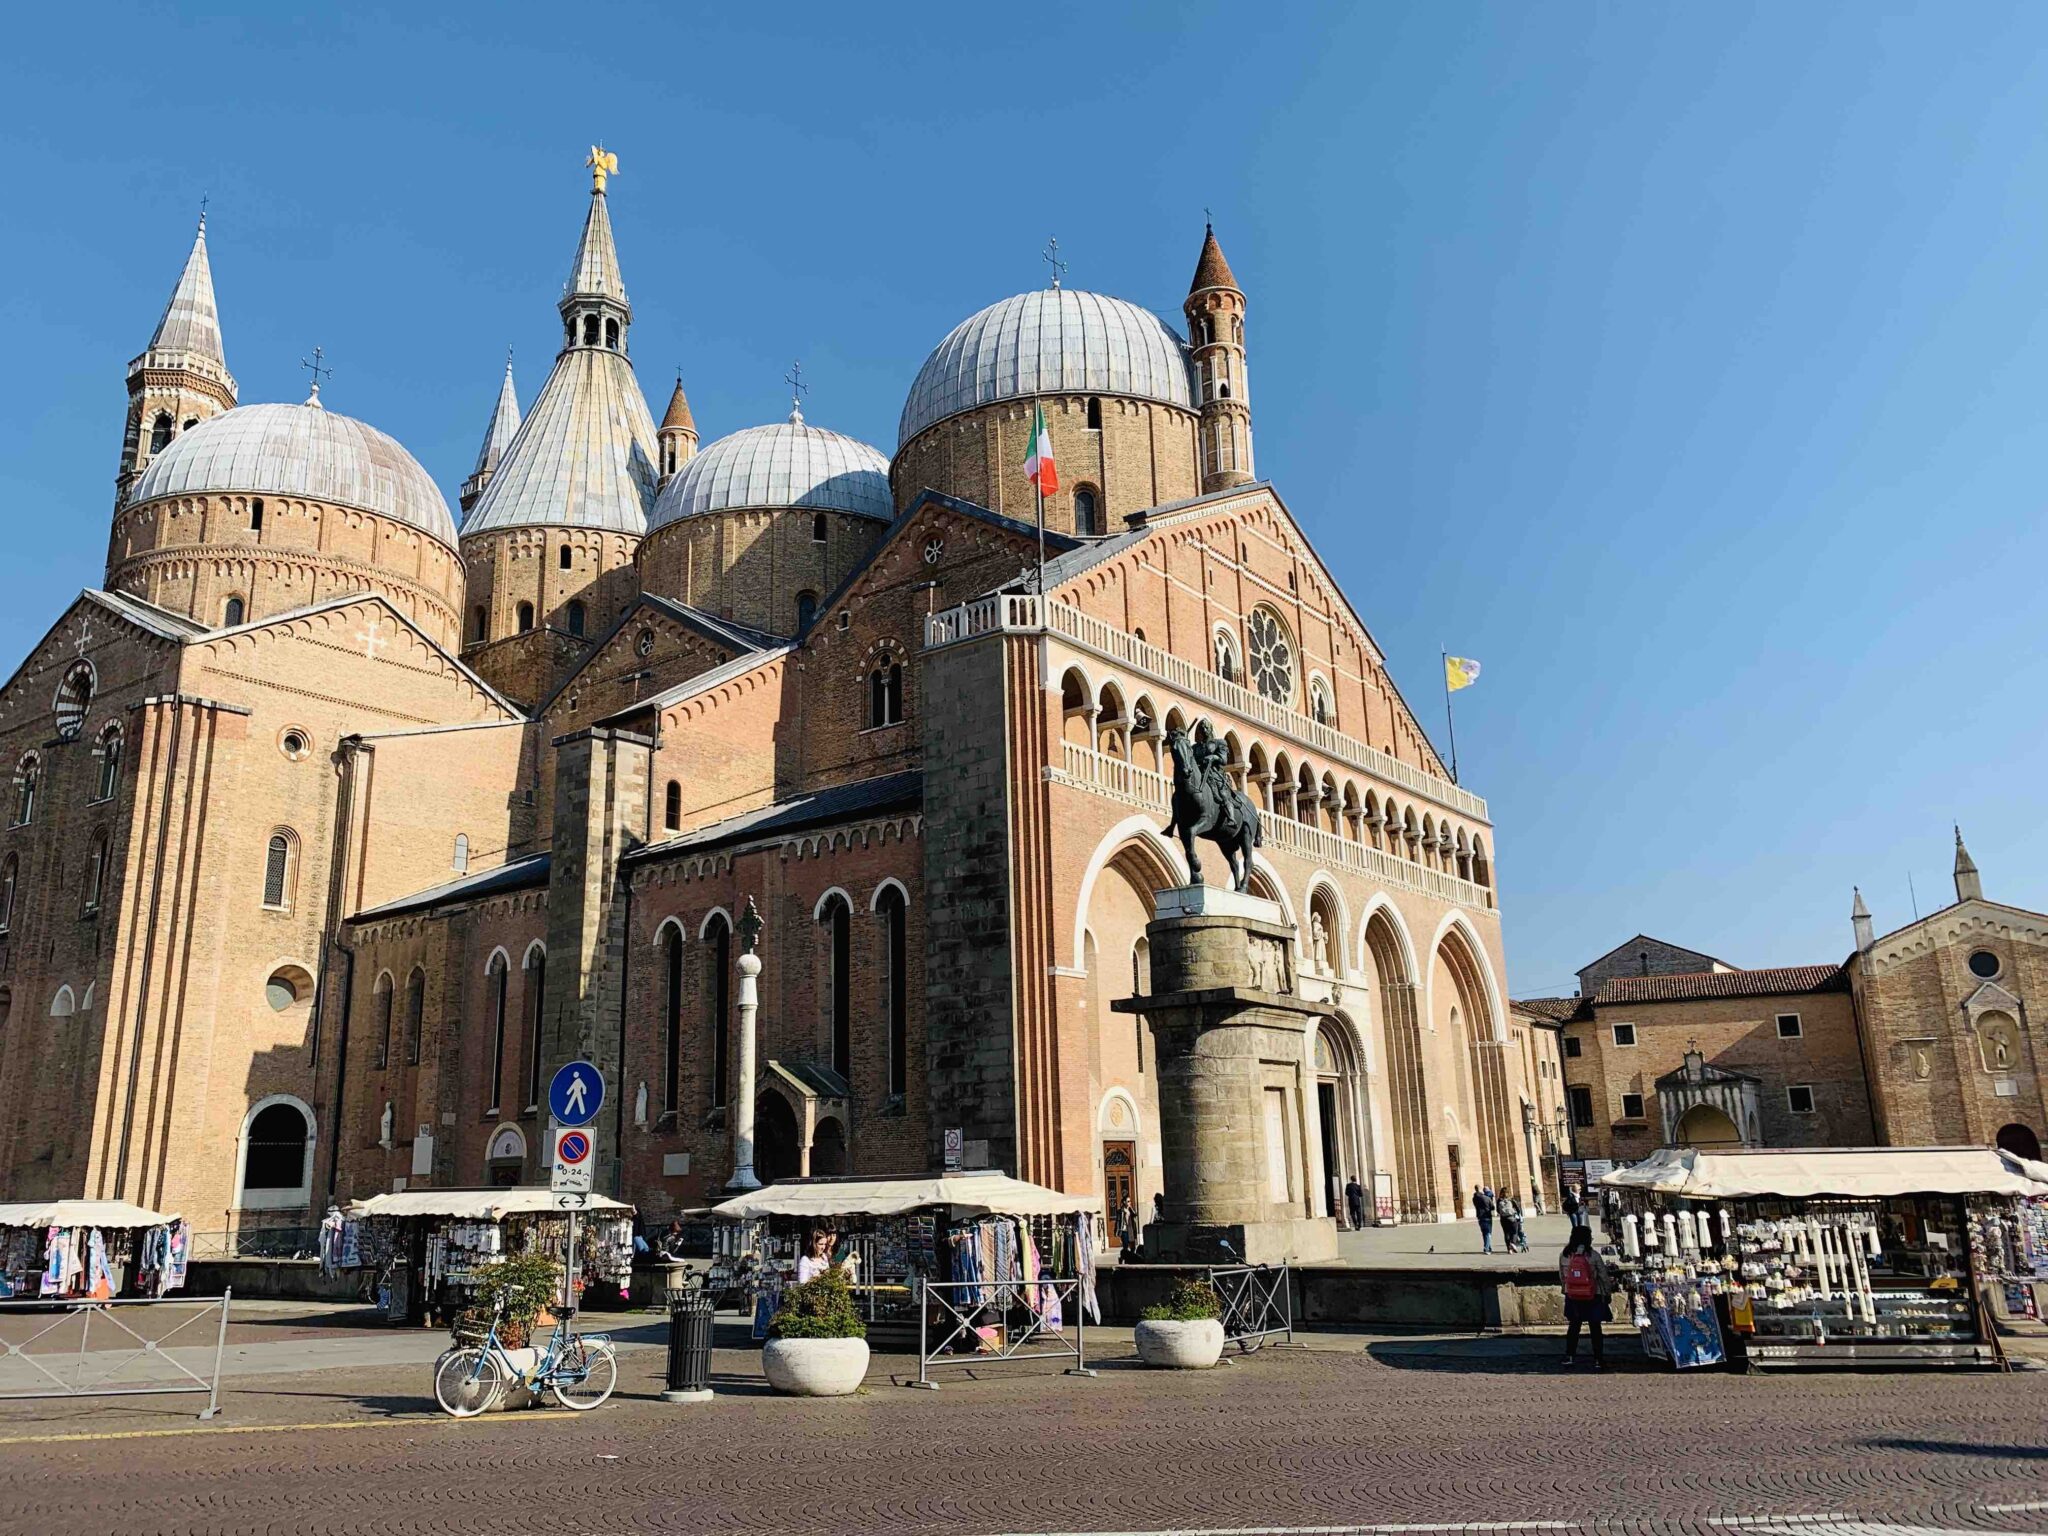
(1344, 1113)
(1706, 1126)
(1415, 1192)
(1464, 1008)
(2020, 1141)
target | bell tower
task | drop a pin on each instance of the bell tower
(181, 378)
(678, 434)
(1215, 311)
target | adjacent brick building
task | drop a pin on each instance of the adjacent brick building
(1921, 1037)
(337, 830)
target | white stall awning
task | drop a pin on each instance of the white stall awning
(79, 1213)
(1696, 1173)
(968, 1193)
(476, 1204)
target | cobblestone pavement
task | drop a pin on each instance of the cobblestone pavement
(1353, 1435)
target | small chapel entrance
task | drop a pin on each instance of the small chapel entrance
(1706, 1126)
(2020, 1141)
(775, 1139)
(1119, 1183)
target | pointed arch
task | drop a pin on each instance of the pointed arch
(1462, 993)
(1133, 837)
(1388, 957)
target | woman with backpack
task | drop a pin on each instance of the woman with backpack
(1583, 1274)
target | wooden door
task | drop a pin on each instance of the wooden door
(1119, 1183)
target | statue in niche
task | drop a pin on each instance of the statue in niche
(1997, 1042)
(1923, 1063)
(384, 1122)
(1207, 805)
(1267, 972)
(640, 1106)
(1319, 942)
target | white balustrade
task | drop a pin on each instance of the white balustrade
(1020, 611)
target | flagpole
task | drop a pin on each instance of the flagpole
(1450, 719)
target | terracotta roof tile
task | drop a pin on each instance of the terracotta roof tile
(1211, 270)
(1671, 989)
(1554, 1010)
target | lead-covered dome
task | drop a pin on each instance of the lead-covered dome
(300, 450)
(1053, 341)
(788, 464)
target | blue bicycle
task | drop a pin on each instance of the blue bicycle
(579, 1369)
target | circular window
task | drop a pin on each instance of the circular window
(287, 988)
(645, 644)
(294, 743)
(934, 549)
(1272, 656)
(1984, 964)
(74, 698)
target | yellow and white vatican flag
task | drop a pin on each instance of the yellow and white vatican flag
(1459, 672)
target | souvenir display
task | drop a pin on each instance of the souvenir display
(86, 1261)
(430, 1262)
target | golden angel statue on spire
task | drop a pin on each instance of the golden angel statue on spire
(602, 163)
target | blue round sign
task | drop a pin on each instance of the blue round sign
(576, 1094)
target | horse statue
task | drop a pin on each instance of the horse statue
(1206, 804)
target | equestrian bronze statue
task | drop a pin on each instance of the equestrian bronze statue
(1206, 804)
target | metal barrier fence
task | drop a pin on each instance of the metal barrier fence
(1015, 1311)
(1255, 1302)
(258, 1243)
(91, 1372)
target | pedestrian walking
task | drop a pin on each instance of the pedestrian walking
(1510, 1212)
(1127, 1226)
(1583, 1274)
(1571, 1204)
(1354, 1199)
(1482, 1211)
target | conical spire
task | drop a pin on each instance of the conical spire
(191, 321)
(504, 424)
(1969, 884)
(1859, 921)
(1211, 270)
(596, 273)
(678, 418)
(1860, 909)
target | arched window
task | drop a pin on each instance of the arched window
(672, 1019)
(381, 1004)
(838, 921)
(278, 872)
(462, 853)
(1094, 413)
(277, 1156)
(575, 617)
(885, 694)
(718, 959)
(480, 622)
(27, 776)
(611, 334)
(256, 515)
(95, 872)
(1319, 700)
(109, 753)
(1087, 515)
(525, 617)
(896, 986)
(9, 873)
(820, 526)
(64, 1004)
(415, 1014)
(536, 1016)
(160, 433)
(74, 698)
(806, 610)
(497, 979)
(590, 330)
(231, 612)
(1225, 649)
(568, 557)
(672, 806)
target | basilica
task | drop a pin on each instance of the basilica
(337, 822)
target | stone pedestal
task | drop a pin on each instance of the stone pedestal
(1234, 1083)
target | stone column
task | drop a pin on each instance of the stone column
(1234, 1082)
(749, 966)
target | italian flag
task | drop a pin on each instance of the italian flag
(1039, 468)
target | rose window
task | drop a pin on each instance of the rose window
(1272, 656)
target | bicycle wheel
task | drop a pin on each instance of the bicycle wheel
(584, 1376)
(468, 1381)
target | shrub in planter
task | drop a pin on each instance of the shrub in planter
(1182, 1332)
(818, 1345)
(526, 1284)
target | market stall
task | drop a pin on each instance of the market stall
(1834, 1255)
(96, 1248)
(419, 1248)
(2018, 1246)
(985, 1230)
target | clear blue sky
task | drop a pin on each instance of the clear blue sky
(1684, 364)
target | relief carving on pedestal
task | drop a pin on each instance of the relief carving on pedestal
(1268, 968)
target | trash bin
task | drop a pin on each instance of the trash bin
(689, 1347)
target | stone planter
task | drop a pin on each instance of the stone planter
(515, 1395)
(815, 1367)
(1181, 1346)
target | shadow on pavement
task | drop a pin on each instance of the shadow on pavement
(1516, 1356)
(1961, 1448)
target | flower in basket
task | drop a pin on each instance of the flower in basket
(819, 1309)
(524, 1286)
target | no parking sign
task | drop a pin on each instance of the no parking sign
(571, 1173)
